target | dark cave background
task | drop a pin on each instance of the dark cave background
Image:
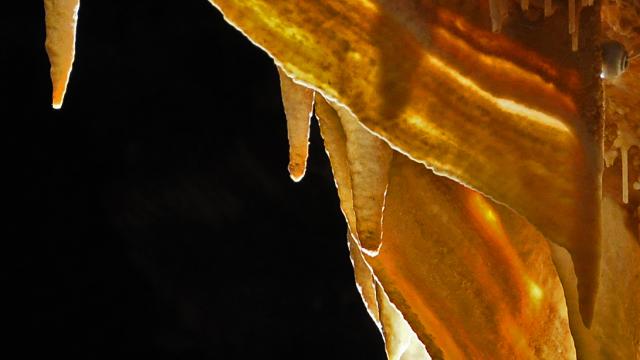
(154, 215)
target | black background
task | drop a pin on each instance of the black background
(153, 214)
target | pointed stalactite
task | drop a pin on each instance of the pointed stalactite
(624, 157)
(572, 16)
(504, 9)
(625, 140)
(335, 145)
(496, 15)
(499, 10)
(576, 32)
(548, 8)
(369, 161)
(524, 4)
(298, 107)
(61, 18)
(574, 8)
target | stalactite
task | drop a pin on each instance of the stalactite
(548, 8)
(624, 158)
(61, 18)
(298, 106)
(574, 16)
(499, 9)
(496, 15)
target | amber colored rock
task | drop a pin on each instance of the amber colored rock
(473, 279)
(448, 276)
(514, 115)
(615, 330)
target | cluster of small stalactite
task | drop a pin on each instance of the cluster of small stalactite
(621, 138)
(500, 8)
(621, 23)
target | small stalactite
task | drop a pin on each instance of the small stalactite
(298, 107)
(61, 19)
(572, 25)
(504, 9)
(548, 8)
(575, 7)
(623, 142)
(625, 139)
(496, 15)
(624, 157)
(572, 16)
(499, 10)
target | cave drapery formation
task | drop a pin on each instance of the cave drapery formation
(478, 159)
